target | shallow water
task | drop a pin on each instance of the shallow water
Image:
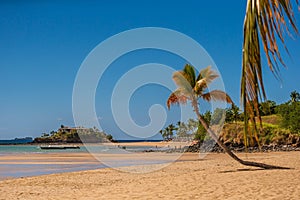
(17, 164)
(25, 170)
(8, 149)
(29, 160)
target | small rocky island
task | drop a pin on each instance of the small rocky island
(66, 134)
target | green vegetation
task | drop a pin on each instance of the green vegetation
(271, 134)
(110, 138)
(290, 116)
(280, 124)
(233, 114)
(167, 133)
(74, 135)
(265, 26)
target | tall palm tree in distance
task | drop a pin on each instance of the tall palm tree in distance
(235, 112)
(295, 96)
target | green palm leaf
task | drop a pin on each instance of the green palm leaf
(190, 74)
(265, 23)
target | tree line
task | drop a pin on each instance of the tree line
(289, 113)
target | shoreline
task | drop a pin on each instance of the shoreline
(12, 164)
(71, 158)
(15, 165)
(160, 143)
(191, 146)
(216, 176)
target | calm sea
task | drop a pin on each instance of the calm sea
(10, 149)
(30, 160)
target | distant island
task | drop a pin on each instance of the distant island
(66, 134)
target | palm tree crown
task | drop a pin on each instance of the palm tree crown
(192, 88)
(295, 96)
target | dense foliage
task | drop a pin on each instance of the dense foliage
(281, 124)
(290, 113)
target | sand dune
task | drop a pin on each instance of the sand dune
(214, 177)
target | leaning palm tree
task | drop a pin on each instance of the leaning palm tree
(192, 88)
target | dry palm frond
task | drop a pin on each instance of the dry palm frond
(207, 74)
(205, 77)
(182, 82)
(177, 97)
(265, 22)
(217, 95)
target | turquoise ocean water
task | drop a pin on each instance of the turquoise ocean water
(10, 149)
(24, 160)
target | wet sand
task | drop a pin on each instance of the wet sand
(16, 164)
(32, 164)
(215, 176)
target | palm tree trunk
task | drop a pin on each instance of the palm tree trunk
(224, 147)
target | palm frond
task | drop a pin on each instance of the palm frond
(208, 75)
(217, 95)
(265, 22)
(205, 77)
(190, 74)
(177, 97)
(182, 82)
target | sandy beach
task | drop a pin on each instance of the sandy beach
(216, 176)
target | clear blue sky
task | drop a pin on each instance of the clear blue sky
(43, 43)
